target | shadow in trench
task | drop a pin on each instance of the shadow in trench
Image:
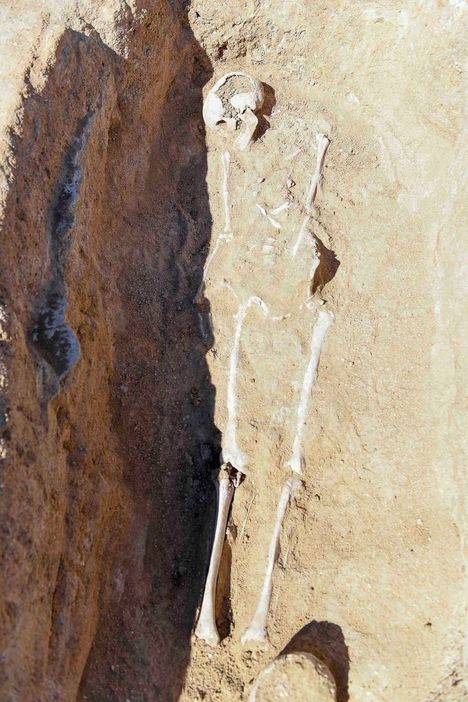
(163, 413)
(109, 420)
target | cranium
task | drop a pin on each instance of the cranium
(234, 99)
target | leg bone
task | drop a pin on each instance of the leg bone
(324, 320)
(206, 627)
(257, 629)
(231, 450)
(229, 479)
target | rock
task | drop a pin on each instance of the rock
(296, 677)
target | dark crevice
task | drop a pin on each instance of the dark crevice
(224, 614)
(327, 268)
(51, 336)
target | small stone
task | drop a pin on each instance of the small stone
(296, 677)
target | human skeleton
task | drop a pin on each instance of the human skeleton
(235, 101)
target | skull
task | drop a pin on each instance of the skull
(234, 99)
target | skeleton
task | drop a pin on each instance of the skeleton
(243, 106)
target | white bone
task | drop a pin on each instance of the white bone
(231, 451)
(324, 320)
(244, 101)
(227, 234)
(240, 101)
(245, 104)
(322, 146)
(300, 236)
(272, 221)
(213, 110)
(279, 209)
(257, 629)
(206, 627)
(250, 121)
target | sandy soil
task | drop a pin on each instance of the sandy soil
(114, 378)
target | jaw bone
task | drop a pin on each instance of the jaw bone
(206, 628)
(257, 629)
